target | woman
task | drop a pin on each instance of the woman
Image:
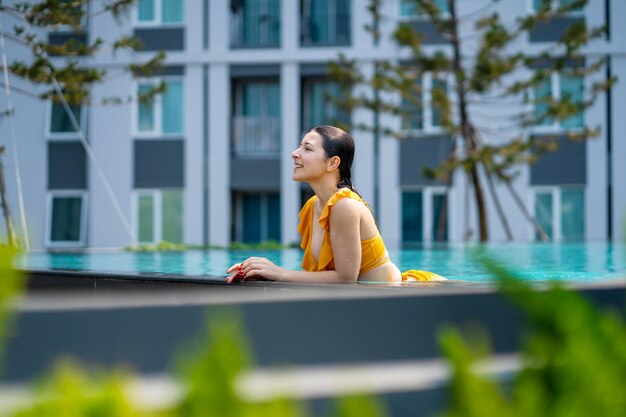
(340, 238)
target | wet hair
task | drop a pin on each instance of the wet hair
(338, 142)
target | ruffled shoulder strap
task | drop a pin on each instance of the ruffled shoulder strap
(306, 217)
(345, 193)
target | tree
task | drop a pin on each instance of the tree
(61, 68)
(493, 69)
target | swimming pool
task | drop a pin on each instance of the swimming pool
(579, 262)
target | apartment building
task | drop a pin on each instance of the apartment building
(208, 162)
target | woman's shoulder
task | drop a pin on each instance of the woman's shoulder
(343, 202)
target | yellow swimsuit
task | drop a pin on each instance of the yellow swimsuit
(373, 251)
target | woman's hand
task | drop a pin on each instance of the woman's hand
(255, 268)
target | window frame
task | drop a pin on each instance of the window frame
(427, 106)
(557, 202)
(263, 213)
(157, 131)
(61, 136)
(50, 196)
(157, 214)
(419, 16)
(554, 4)
(556, 126)
(428, 215)
(158, 17)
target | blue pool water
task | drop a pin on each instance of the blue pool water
(581, 262)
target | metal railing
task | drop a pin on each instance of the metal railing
(254, 135)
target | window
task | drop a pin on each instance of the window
(257, 118)
(317, 109)
(159, 12)
(425, 215)
(255, 23)
(59, 125)
(161, 114)
(411, 8)
(420, 112)
(555, 4)
(560, 86)
(256, 217)
(560, 211)
(325, 22)
(159, 215)
(66, 219)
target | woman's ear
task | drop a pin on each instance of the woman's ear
(333, 163)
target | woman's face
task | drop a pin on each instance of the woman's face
(309, 159)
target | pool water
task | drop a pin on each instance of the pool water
(580, 262)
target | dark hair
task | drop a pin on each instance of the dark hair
(338, 142)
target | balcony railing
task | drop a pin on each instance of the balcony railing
(256, 136)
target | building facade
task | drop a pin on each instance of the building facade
(208, 162)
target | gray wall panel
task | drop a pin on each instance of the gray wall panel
(67, 166)
(255, 174)
(262, 70)
(159, 163)
(422, 152)
(157, 39)
(566, 166)
(429, 32)
(552, 30)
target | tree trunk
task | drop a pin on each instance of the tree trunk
(465, 124)
(5, 206)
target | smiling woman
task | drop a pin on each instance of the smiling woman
(340, 238)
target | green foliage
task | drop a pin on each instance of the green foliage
(76, 74)
(11, 284)
(264, 245)
(70, 391)
(573, 360)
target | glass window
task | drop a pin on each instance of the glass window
(257, 217)
(572, 88)
(146, 10)
(273, 217)
(572, 214)
(543, 93)
(172, 216)
(171, 11)
(543, 213)
(146, 218)
(439, 86)
(318, 109)
(256, 122)
(325, 22)
(413, 117)
(412, 216)
(160, 11)
(440, 218)
(410, 8)
(160, 216)
(145, 121)
(251, 221)
(563, 3)
(66, 219)
(172, 109)
(255, 23)
(60, 121)
(169, 106)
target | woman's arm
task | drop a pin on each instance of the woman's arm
(346, 243)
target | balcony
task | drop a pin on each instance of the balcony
(255, 136)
